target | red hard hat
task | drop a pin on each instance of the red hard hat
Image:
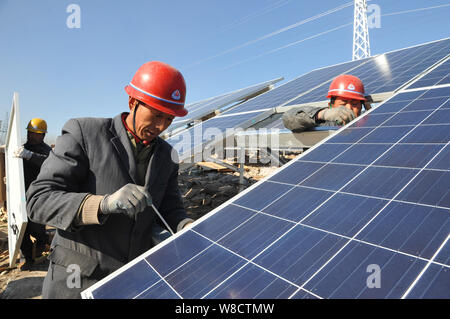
(160, 86)
(347, 86)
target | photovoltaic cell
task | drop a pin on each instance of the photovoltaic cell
(413, 229)
(433, 284)
(346, 276)
(362, 154)
(371, 199)
(345, 214)
(429, 187)
(417, 155)
(133, 283)
(442, 160)
(438, 76)
(287, 206)
(253, 282)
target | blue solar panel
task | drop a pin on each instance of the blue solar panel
(382, 73)
(202, 108)
(433, 284)
(316, 227)
(438, 76)
(387, 72)
(346, 276)
(292, 89)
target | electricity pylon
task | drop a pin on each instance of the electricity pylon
(361, 44)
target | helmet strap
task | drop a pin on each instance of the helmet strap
(333, 98)
(134, 118)
(138, 140)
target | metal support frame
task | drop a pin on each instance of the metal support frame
(361, 44)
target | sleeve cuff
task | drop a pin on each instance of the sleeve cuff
(89, 211)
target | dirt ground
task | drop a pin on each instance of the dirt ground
(203, 188)
(16, 284)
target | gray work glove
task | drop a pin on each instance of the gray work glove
(129, 200)
(340, 115)
(22, 152)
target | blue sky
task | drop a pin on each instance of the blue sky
(219, 46)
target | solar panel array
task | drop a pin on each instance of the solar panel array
(379, 73)
(293, 88)
(192, 141)
(202, 108)
(364, 214)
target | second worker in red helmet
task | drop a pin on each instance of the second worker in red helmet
(99, 185)
(347, 97)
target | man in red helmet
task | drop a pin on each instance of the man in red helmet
(99, 185)
(347, 97)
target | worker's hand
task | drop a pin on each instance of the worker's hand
(340, 115)
(22, 152)
(129, 200)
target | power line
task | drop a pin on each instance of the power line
(414, 10)
(288, 45)
(269, 35)
(320, 34)
(255, 14)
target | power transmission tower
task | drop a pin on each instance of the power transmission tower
(361, 44)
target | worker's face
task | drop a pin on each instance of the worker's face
(354, 105)
(150, 122)
(35, 138)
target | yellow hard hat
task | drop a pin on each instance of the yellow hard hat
(37, 126)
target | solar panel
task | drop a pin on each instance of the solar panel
(387, 72)
(192, 141)
(438, 76)
(293, 88)
(380, 74)
(364, 214)
(200, 109)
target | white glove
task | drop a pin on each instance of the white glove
(340, 115)
(22, 152)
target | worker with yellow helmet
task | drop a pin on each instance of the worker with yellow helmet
(33, 152)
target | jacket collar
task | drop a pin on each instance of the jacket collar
(122, 144)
